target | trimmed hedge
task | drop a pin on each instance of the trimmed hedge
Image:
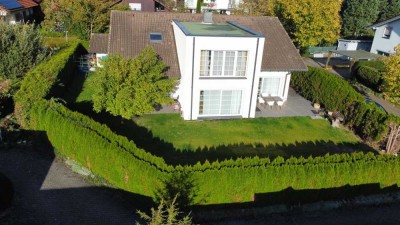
(336, 94)
(119, 161)
(128, 167)
(321, 86)
(45, 79)
(369, 73)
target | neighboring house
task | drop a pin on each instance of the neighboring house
(141, 5)
(17, 11)
(223, 64)
(98, 46)
(354, 45)
(387, 36)
(219, 5)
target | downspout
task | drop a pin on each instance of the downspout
(191, 98)
(254, 75)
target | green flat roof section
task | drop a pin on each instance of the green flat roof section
(357, 55)
(196, 28)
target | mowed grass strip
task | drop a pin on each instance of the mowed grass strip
(266, 131)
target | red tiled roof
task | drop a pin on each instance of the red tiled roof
(25, 4)
(28, 3)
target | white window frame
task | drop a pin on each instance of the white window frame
(201, 111)
(390, 30)
(264, 83)
(211, 62)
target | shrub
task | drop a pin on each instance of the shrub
(321, 86)
(44, 79)
(369, 73)
(337, 94)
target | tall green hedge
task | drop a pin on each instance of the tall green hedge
(128, 167)
(369, 73)
(44, 79)
(336, 94)
(119, 161)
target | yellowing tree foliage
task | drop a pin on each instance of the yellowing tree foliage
(254, 8)
(391, 85)
(310, 22)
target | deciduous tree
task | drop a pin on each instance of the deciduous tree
(80, 17)
(358, 14)
(391, 77)
(310, 22)
(21, 48)
(254, 8)
(128, 87)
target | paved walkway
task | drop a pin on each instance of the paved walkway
(48, 192)
(344, 72)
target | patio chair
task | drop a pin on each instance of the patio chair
(280, 104)
(261, 101)
(270, 104)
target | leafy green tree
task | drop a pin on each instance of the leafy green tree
(391, 78)
(21, 48)
(390, 9)
(310, 22)
(80, 17)
(128, 87)
(165, 214)
(254, 8)
(357, 15)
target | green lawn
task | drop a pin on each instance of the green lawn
(266, 131)
(187, 142)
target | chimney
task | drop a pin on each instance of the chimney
(208, 18)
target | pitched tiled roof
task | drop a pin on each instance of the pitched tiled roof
(98, 43)
(28, 3)
(385, 22)
(129, 34)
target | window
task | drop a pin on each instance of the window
(387, 32)
(270, 86)
(223, 63)
(155, 37)
(218, 102)
(135, 6)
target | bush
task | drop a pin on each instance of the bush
(369, 73)
(44, 79)
(321, 86)
(128, 167)
(337, 94)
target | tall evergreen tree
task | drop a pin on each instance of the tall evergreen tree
(357, 15)
(390, 9)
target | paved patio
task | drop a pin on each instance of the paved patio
(294, 106)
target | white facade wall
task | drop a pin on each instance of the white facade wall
(219, 4)
(189, 89)
(384, 44)
(283, 84)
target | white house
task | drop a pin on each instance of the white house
(220, 5)
(387, 36)
(223, 64)
(17, 11)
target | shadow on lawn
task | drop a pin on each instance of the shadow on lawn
(145, 139)
(291, 200)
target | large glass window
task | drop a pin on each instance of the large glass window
(218, 102)
(205, 63)
(270, 86)
(223, 63)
